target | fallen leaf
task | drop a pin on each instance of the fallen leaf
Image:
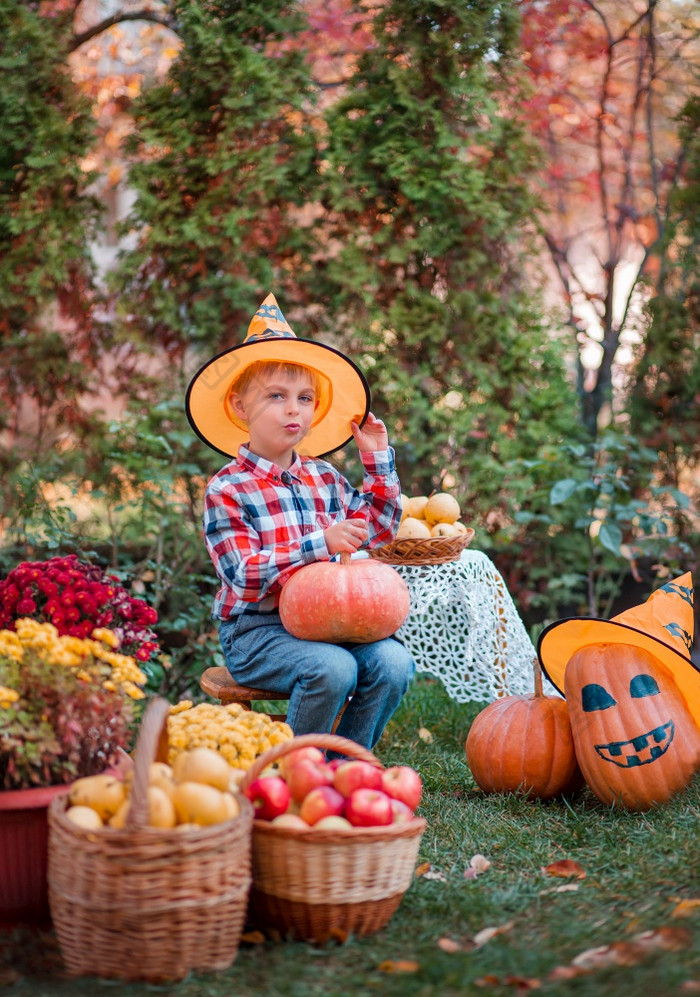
(486, 934)
(690, 987)
(435, 874)
(565, 868)
(422, 869)
(670, 939)
(599, 957)
(338, 935)
(479, 863)
(398, 966)
(425, 735)
(522, 983)
(565, 973)
(253, 938)
(449, 945)
(686, 908)
(564, 888)
(633, 952)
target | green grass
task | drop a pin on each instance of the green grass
(638, 868)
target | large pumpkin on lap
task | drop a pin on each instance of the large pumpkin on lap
(635, 739)
(346, 601)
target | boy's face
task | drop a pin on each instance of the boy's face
(278, 408)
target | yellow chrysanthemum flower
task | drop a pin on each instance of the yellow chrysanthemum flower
(7, 696)
(106, 636)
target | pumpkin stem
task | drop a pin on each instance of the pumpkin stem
(344, 557)
(538, 678)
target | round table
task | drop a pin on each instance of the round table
(463, 628)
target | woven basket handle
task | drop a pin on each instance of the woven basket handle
(151, 746)
(327, 741)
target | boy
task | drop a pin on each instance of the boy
(276, 402)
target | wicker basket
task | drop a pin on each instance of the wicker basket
(427, 550)
(313, 884)
(143, 903)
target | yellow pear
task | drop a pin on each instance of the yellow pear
(232, 805)
(118, 820)
(413, 529)
(84, 817)
(161, 810)
(197, 803)
(443, 530)
(416, 505)
(441, 508)
(104, 793)
(202, 765)
(404, 506)
(460, 527)
(160, 774)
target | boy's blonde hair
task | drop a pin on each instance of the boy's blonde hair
(294, 370)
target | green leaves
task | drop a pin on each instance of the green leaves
(426, 197)
(563, 490)
(221, 156)
(610, 536)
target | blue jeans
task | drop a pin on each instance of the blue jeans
(318, 677)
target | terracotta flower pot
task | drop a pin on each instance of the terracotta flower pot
(24, 834)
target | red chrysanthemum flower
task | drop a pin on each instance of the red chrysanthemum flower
(78, 597)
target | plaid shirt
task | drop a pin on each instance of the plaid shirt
(261, 523)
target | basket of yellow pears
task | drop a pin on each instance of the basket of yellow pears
(431, 532)
(150, 869)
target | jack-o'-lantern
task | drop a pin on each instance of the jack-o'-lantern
(633, 694)
(635, 740)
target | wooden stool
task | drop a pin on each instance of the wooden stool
(218, 683)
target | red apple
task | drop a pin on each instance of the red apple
(401, 782)
(269, 795)
(401, 814)
(305, 775)
(310, 753)
(324, 801)
(356, 775)
(368, 808)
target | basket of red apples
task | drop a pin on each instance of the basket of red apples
(334, 842)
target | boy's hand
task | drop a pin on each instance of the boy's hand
(345, 536)
(373, 435)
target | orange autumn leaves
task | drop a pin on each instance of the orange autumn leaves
(627, 951)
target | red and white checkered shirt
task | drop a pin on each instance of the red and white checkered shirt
(261, 523)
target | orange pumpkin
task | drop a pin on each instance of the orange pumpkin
(523, 744)
(636, 741)
(353, 601)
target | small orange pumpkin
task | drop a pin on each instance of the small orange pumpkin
(523, 744)
(348, 601)
(636, 741)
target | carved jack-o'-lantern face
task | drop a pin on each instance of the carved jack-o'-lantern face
(635, 740)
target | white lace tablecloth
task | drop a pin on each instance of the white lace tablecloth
(464, 629)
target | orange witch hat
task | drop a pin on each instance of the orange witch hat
(663, 626)
(344, 393)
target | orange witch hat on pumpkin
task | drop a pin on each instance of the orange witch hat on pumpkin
(663, 626)
(343, 395)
